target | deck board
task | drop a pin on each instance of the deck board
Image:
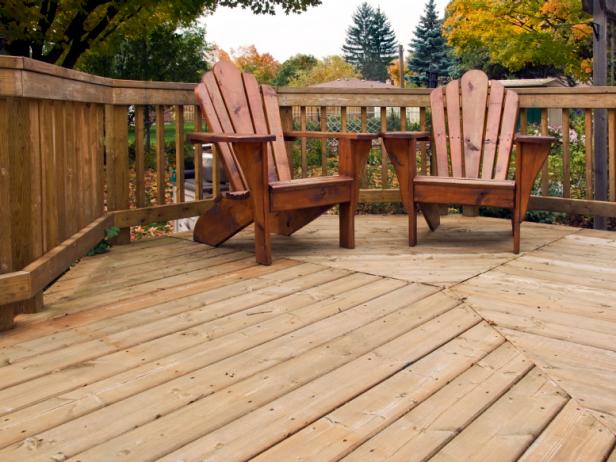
(453, 350)
(558, 304)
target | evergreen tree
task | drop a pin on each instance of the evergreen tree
(383, 47)
(430, 54)
(371, 43)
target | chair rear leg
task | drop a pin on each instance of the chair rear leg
(223, 220)
(516, 221)
(347, 225)
(288, 222)
(412, 212)
(432, 215)
(516, 236)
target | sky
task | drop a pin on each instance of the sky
(320, 31)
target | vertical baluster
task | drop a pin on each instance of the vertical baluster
(179, 153)
(302, 125)
(566, 154)
(323, 115)
(422, 144)
(384, 157)
(523, 121)
(343, 119)
(545, 178)
(588, 135)
(403, 119)
(139, 157)
(198, 157)
(161, 163)
(364, 129)
(611, 129)
(364, 119)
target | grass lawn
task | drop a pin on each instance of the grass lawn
(189, 126)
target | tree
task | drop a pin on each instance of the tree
(524, 37)
(393, 72)
(61, 31)
(290, 69)
(371, 43)
(430, 56)
(263, 66)
(383, 47)
(164, 55)
(326, 70)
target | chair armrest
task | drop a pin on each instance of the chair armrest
(295, 135)
(535, 139)
(206, 137)
(419, 136)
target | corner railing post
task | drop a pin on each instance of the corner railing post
(116, 163)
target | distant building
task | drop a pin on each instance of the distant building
(354, 113)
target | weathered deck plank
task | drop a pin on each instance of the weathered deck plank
(170, 350)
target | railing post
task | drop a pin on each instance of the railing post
(116, 162)
(286, 116)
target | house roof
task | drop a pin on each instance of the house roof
(547, 82)
(353, 83)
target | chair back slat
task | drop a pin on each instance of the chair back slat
(219, 122)
(505, 138)
(272, 114)
(490, 141)
(233, 102)
(474, 88)
(452, 93)
(437, 104)
(231, 85)
(255, 101)
(473, 123)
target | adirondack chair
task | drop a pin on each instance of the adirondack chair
(476, 119)
(245, 123)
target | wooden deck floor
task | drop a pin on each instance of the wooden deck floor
(454, 350)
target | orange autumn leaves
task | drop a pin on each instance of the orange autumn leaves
(248, 59)
(521, 33)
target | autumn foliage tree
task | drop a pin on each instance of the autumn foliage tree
(262, 65)
(524, 37)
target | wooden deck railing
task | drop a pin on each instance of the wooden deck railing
(65, 172)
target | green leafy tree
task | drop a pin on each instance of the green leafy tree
(163, 54)
(430, 55)
(291, 68)
(371, 43)
(61, 31)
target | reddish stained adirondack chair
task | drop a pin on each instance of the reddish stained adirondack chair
(477, 119)
(244, 122)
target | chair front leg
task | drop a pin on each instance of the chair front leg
(353, 155)
(253, 160)
(530, 157)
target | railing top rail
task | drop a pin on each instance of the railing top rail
(25, 77)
